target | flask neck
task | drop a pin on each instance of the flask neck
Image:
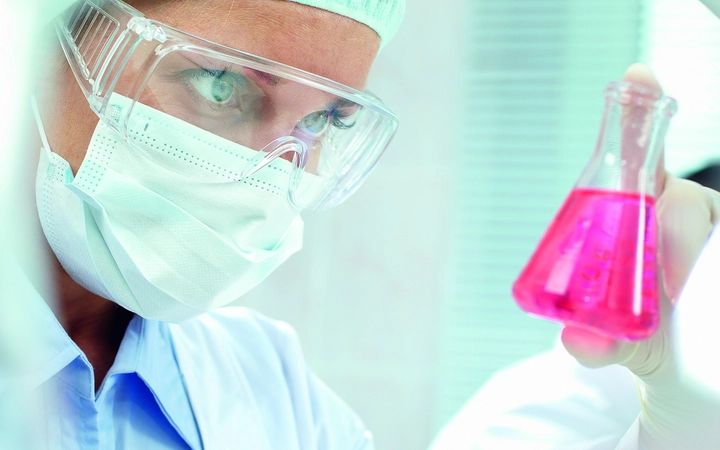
(630, 144)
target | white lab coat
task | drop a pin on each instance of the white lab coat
(246, 375)
(548, 402)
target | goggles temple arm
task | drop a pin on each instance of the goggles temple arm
(275, 149)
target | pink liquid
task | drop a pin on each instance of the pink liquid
(595, 265)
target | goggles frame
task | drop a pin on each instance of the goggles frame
(99, 38)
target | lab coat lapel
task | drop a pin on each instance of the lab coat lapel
(222, 402)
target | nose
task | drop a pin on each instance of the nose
(270, 129)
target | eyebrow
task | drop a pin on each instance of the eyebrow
(274, 80)
(269, 78)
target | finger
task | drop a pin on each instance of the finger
(686, 213)
(593, 349)
(715, 206)
(661, 175)
(641, 74)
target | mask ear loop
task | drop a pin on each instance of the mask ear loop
(41, 127)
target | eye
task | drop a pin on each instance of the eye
(216, 86)
(314, 124)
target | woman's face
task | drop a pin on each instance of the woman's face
(310, 39)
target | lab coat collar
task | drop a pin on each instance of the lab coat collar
(147, 349)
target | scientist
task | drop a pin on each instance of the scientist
(178, 143)
(586, 399)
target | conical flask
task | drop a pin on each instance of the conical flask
(596, 263)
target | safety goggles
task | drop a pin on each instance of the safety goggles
(327, 132)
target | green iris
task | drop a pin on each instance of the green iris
(221, 89)
(314, 123)
(216, 86)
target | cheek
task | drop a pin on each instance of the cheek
(69, 122)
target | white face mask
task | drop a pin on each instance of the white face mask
(158, 243)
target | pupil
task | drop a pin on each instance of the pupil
(221, 90)
(317, 120)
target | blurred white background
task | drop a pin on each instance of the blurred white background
(21, 20)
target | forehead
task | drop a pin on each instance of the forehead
(308, 38)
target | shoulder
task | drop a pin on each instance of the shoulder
(241, 346)
(244, 331)
(245, 344)
(549, 400)
(230, 320)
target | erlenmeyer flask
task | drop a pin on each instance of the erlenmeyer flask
(595, 266)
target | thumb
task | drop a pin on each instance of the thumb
(641, 74)
(687, 214)
(593, 349)
(645, 358)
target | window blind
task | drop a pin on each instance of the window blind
(534, 79)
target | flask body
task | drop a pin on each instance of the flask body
(596, 264)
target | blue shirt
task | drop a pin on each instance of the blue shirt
(229, 379)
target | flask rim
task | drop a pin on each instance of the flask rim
(629, 93)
